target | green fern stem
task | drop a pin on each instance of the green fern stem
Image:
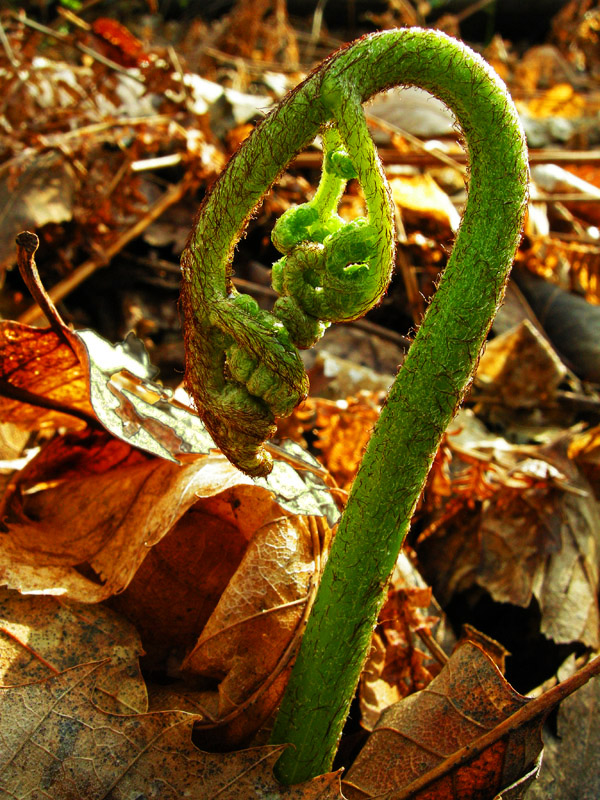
(437, 370)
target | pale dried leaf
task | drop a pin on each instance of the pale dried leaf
(520, 368)
(421, 195)
(246, 641)
(54, 742)
(42, 193)
(41, 636)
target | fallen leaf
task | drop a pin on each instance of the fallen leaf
(115, 384)
(85, 536)
(466, 700)
(344, 428)
(420, 195)
(249, 640)
(41, 193)
(398, 665)
(131, 406)
(520, 522)
(584, 449)
(42, 636)
(178, 585)
(55, 742)
(519, 368)
(41, 362)
(559, 101)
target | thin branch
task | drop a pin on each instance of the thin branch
(24, 396)
(86, 269)
(27, 244)
(7, 48)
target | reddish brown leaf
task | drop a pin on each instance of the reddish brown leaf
(39, 361)
(467, 735)
(520, 368)
(467, 699)
(177, 587)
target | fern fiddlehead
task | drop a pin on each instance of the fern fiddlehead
(439, 365)
(243, 368)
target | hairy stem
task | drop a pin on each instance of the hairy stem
(433, 379)
(424, 397)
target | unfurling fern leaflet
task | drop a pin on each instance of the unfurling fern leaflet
(248, 370)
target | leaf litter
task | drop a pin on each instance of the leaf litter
(128, 504)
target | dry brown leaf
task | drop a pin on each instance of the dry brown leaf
(344, 428)
(519, 522)
(466, 700)
(585, 451)
(178, 585)
(519, 368)
(55, 742)
(85, 536)
(248, 642)
(118, 382)
(421, 195)
(41, 362)
(42, 636)
(559, 101)
(574, 266)
(397, 666)
(469, 734)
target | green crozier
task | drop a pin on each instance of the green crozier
(242, 365)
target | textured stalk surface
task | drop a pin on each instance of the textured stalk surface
(428, 389)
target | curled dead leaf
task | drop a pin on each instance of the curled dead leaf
(250, 639)
(520, 522)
